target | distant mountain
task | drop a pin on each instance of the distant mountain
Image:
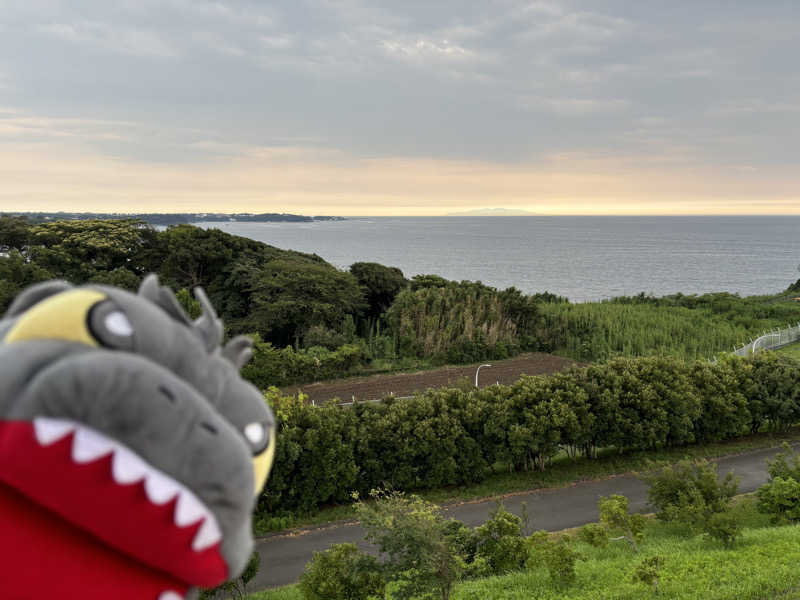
(493, 212)
(177, 218)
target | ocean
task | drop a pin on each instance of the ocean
(582, 258)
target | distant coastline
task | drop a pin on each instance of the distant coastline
(493, 212)
(177, 218)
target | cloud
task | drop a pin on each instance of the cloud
(176, 83)
(137, 42)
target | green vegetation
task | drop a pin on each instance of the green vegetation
(792, 351)
(370, 318)
(685, 326)
(452, 437)
(780, 496)
(342, 573)
(563, 470)
(674, 564)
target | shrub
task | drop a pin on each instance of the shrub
(422, 555)
(342, 573)
(594, 534)
(689, 492)
(648, 571)
(614, 516)
(500, 543)
(786, 464)
(780, 496)
(557, 556)
(723, 527)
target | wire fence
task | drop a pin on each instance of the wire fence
(770, 340)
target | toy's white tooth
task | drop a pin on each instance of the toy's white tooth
(170, 595)
(189, 509)
(159, 487)
(126, 467)
(48, 431)
(89, 445)
(208, 535)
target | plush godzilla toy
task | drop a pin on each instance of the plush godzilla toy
(131, 450)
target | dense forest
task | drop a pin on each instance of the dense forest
(313, 321)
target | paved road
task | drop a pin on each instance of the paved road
(283, 556)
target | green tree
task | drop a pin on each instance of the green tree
(499, 542)
(381, 285)
(14, 233)
(422, 559)
(289, 297)
(81, 250)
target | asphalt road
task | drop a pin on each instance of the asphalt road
(283, 556)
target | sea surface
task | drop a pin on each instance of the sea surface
(582, 258)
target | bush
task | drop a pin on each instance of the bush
(422, 554)
(690, 492)
(272, 366)
(557, 556)
(780, 496)
(723, 527)
(614, 516)
(342, 573)
(648, 571)
(594, 534)
(499, 542)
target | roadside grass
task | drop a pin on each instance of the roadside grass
(562, 472)
(762, 565)
(794, 352)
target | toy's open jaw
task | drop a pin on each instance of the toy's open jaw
(105, 504)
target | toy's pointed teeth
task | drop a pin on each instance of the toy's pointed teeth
(160, 489)
(189, 510)
(170, 595)
(49, 431)
(208, 535)
(126, 467)
(87, 445)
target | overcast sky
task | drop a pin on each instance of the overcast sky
(413, 107)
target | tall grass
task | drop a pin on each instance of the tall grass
(686, 327)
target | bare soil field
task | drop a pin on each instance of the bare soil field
(374, 387)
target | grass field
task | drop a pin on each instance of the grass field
(563, 471)
(762, 565)
(793, 351)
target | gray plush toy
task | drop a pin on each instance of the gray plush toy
(131, 450)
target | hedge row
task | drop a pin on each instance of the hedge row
(452, 436)
(271, 366)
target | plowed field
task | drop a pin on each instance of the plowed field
(375, 387)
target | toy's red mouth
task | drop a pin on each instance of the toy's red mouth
(80, 511)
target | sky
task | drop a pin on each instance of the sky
(326, 107)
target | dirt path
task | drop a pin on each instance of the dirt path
(406, 384)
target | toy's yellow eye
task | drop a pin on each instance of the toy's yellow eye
(262, 461)
(64, 316)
